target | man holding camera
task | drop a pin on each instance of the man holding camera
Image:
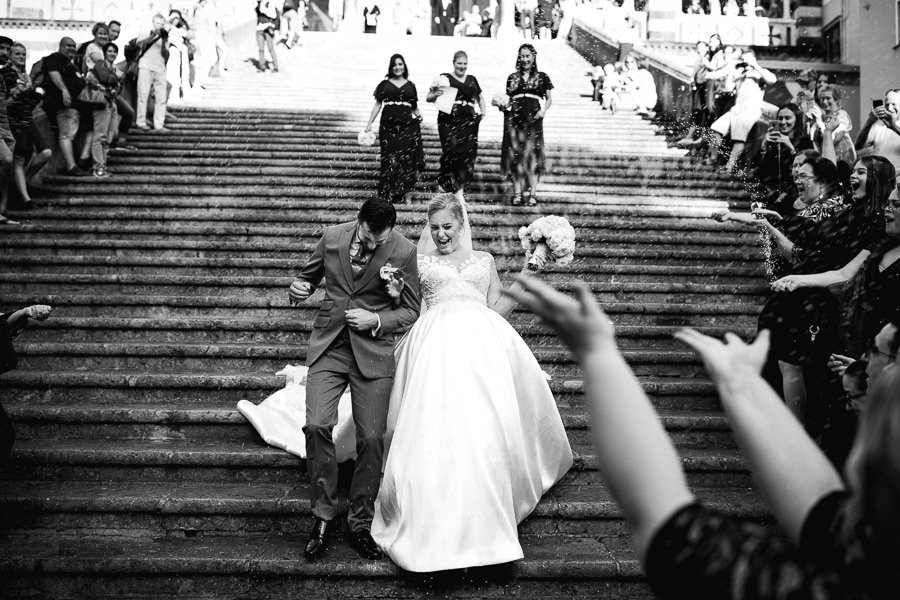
(152, 57)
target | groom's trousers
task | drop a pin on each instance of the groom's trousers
(327, 379)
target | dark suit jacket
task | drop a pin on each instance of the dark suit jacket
(331, 260)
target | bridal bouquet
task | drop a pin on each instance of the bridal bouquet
(548, 238)
(441, 81)
(365, 138)
(501, 101)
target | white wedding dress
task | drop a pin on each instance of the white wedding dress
(474, 434)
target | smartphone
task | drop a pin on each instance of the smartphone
(877, 102)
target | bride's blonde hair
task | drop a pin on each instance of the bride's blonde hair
(446, 201)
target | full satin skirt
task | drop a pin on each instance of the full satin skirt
(474, 440)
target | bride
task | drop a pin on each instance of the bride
(474, 435)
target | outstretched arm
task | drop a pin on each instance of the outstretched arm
(636, 456)
(17, 320)
(845, 273)
(791, 471)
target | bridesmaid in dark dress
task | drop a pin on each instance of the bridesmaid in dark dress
(522, 152)
(400, 133)
(458, 130)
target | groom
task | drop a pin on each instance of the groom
(352, 342)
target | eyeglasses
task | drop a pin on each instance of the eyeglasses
(803, 176)
(875, 351)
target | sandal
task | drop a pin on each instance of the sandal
(517, 199)
(532, 199)
(4, 220)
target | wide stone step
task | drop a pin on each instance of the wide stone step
(232, 461)
(222, 421)
(487, 222)
(113, 355)
(260, 511)
(587, 269)
(206, 330)
(274, 289)
(190, 389)
(672, 314)
(194, 567)
(651, 254)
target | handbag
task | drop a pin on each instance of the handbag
(8, 358)
(92, 96)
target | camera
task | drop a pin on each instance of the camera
(756, 206)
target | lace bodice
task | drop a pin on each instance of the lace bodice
(442, 281)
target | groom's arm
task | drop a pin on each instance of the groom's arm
(406, 309)
(314, 270)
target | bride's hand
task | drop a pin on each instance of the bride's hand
(534, 264)
(579, 321)
(394, 287)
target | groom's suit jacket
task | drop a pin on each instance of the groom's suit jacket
(331, 260)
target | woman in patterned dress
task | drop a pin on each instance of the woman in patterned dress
(400, 133)
(458, 130)
(522, 152)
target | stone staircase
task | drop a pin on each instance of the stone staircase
(135, 476)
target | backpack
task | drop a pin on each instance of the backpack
(37, 73)
(78, 60)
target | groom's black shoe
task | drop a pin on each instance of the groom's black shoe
(318, 539)
(365, 546)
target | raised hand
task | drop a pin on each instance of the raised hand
(394, 287)
(838, 363)
(730, 360)
(579, 321)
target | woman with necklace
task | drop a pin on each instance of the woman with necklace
(458, 129)
(399, 133)
(522, 152)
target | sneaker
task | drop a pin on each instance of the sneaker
(100, 173)
(75, 172)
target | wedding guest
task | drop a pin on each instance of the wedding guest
(181, 56)
(522, 151)
(881, 133)
(124, 99)
(7, 145)
(750, 81)
(458, 129)
(266, 18)
(11, 325)
(874, 271)
(103, 77)
(399, 132)
(445, 14)
(805, 97)
(612, 87)
(204, 42)
(371, 12)
(291, 22)
(784, 139)
(62, 85)
(837, 539)
(31, 152)
(699, 98)
(829, 107)
(638, 86)
(721, 71)
(154, 53)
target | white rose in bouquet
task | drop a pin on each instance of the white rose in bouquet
(440, 81)
(501, 101)
(365, 138)
(548, 238)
